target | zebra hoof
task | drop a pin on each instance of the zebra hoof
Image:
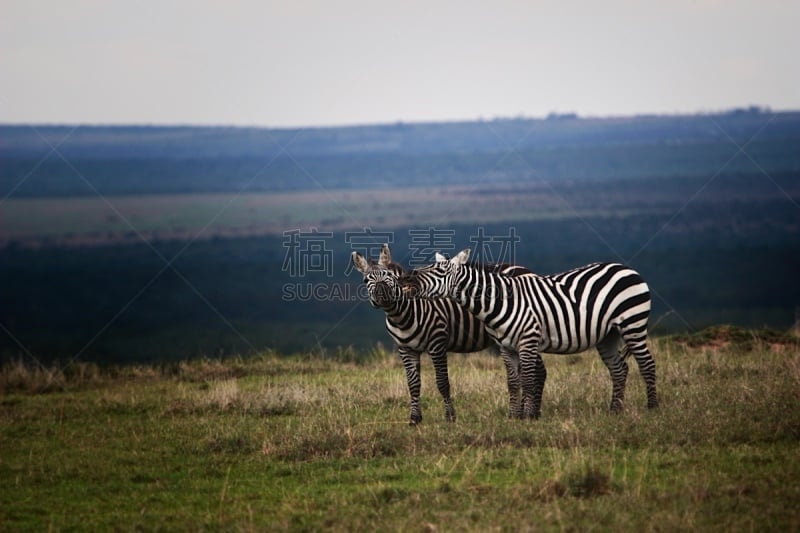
(616, 407)
(415, 419)
(653, 404)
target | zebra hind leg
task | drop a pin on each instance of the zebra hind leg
(617, 368)
(511, 361)
(636, 342)
(439, 358)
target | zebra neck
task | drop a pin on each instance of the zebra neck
(480, 291)
(399, 310)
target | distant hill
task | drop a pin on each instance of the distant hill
(177, 159)
(171, 262)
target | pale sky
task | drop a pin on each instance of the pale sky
(300, 63)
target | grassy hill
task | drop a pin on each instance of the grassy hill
(305, 443)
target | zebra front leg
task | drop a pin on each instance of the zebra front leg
(439, 358)
(619, 377)
(532, 376)
(511, 362)
(411, 363)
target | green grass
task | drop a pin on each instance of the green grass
(303, 443)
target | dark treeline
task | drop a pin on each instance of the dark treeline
(229, 296)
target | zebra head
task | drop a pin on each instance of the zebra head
(382, 278)
(437, 280)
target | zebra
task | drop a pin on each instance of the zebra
(597, 305)
(436, 326)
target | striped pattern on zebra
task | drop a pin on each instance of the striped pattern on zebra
(597, 305)
(436, 326)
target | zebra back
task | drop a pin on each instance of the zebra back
(574, 309)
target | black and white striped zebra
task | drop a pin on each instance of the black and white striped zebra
(437, 326)
(597, 305)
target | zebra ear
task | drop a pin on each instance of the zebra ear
(385, 257)
(359, 262)
(439, 258)
(461, 258)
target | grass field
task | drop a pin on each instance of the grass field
(303, 443)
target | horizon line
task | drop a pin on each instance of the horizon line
(554, 116)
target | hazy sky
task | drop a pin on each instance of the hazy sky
(349, 62)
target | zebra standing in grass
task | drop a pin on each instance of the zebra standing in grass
(436, 326)
(595, 305)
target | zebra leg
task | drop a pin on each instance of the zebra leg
(511, 361)
(411, 362)
(608, 348)
(532, 377)
(439, 358)
(636, 341)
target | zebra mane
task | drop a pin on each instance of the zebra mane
(505, 269)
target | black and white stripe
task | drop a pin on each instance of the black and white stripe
(598, 305)
(436, 326)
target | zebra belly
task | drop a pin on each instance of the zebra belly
(461, 333)
(472, 345)
(510, 335)
(556, 339)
